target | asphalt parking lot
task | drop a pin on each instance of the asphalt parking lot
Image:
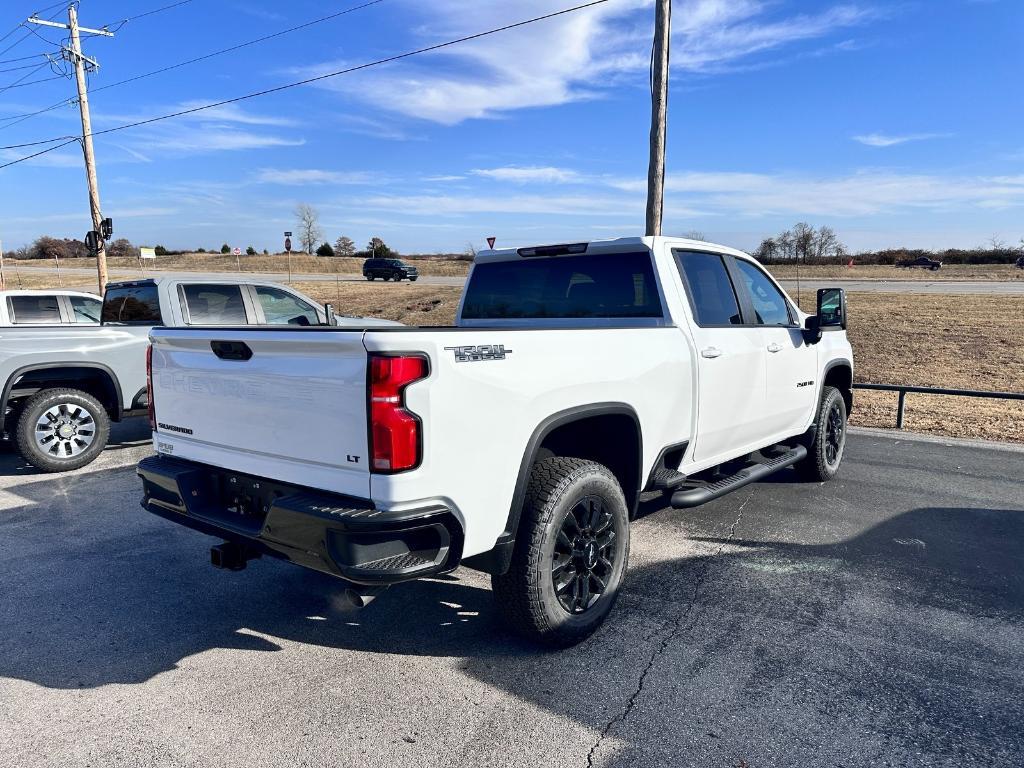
(874, 621)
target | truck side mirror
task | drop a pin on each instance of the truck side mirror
(832, 308)
(329, 313)
(831, 314)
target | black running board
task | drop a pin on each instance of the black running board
(694, 497)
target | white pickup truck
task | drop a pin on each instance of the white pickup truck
(61, 384)
(518, 442)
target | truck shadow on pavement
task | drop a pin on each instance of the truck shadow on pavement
(893, 639)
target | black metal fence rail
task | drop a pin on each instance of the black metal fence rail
(904, 389)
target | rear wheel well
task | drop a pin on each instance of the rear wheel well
(94, 381)
(611, 439)
(841, 377)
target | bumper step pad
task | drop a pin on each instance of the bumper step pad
(335, 534)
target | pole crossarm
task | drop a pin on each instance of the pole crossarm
(58, 25)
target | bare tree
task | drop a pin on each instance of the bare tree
(309, 226)
(767, 250)
(803, 240)
(344, 246)
(825, 244)
(695, 234)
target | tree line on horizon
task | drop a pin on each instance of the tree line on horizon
(801, 244)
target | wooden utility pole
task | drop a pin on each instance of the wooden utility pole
(81, 62)
(3, 282)
(659, 115)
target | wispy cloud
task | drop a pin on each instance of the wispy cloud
(312, 176)
(723, 194)
(891, 140)
(228, 128)
(573, 57)
(528, 174)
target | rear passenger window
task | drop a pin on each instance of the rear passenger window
(214, 304)
(604, 285)
(34, 310)
(712, 297)
(770, 306)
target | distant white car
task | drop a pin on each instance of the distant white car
(49, 307)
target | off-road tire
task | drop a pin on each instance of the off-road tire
(526, 594)
(34, 409)
(818, 466)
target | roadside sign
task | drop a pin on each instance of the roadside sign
(491, 241)
(288, 242)
(237, 251)
(287, 234)
(147, 253)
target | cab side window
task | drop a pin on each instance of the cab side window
(281, 308)
(86, 310)
(770, 306)
(712, 297)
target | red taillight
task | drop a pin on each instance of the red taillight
(149, 387)
(394, 431)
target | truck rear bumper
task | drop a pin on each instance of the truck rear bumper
(340, 535)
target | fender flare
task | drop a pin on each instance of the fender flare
(836, 363)
(14, 377)
(498, 559)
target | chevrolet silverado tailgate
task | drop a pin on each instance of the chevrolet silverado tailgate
(284, 404)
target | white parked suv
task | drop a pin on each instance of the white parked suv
(49, 307)
(518, 442)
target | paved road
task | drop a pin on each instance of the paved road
(1007, 288)
(994, 287)
(877, 620)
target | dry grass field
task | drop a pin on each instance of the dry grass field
(300, 263)
(959, 341)
(880, 272)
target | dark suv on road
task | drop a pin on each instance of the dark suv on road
(1019, 263)
(389, 269)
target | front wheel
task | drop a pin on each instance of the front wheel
(570, 553)
(62, 429)
(825, 454)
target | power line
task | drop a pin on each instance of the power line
(246, 44)
(21, 58)
(29, 31)
(19, 83)
(37, 154)
(21, 118)
(120, 23)
(328, 75)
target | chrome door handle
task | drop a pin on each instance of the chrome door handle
(711, 352)
(773, 347)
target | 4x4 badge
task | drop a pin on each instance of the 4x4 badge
(476, 353)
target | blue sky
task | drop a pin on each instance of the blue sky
(897, 123)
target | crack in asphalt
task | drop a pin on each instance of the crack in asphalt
(673, 627)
